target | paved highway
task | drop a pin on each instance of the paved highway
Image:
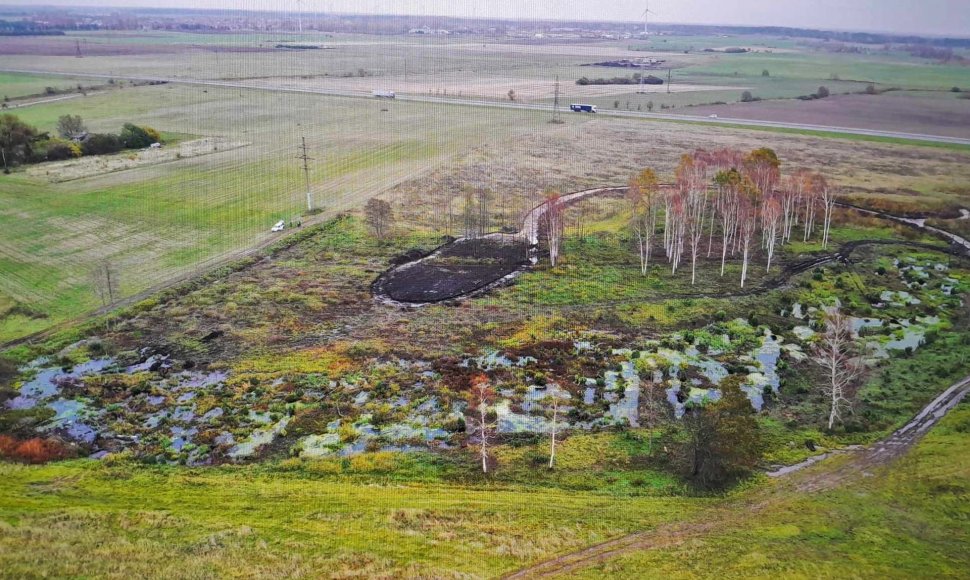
(254, 85)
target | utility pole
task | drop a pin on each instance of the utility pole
(77, 46)
(556, 113)
(3, 152)
(668, 81)
(306, 175)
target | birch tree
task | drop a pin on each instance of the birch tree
(791, 195)
(642, 196)
(729, 185)
(695, 207)
(104, 278)
(558, 396)
(677, 227)
(771, 220)
(835, 353)
(747, 225)
(810, 202)
(481, 397)
(828, 197)
(762, 166)
(553, 220)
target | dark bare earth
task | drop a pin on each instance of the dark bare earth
(454, 270)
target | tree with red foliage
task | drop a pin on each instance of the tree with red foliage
(642, 196)
(762, 166)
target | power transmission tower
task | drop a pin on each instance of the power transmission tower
(556, 113)
(306, 174)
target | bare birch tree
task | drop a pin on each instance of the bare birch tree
(729, 184)
(810, 199)
(481, 397)
(695, 209)
(747, 227)
(104, 278)
(771, 221)
(835, 353)
(553, 220)
(829, 196)
(791, 195)
(558, 396)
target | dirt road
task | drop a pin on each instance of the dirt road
(862, 460)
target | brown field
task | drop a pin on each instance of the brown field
(921, 113)
(586, 153)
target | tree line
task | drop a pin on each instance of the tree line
(23, 143)
(723, 200)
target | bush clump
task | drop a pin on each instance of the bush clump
(35, 450)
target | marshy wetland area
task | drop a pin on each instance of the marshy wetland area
(493, 345)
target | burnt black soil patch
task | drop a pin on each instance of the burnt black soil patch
(454, 270)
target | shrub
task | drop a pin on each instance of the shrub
(381, 461)
(823, 92)
(35, 450)
(101, 144)
(454, 425)
(871, 89)
(155, 136)
(135, 137)
(59, 149)
(765, 73)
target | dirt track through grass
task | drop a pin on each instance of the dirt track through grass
(879, 454)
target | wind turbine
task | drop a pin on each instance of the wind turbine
(646, 18)
(299, 14)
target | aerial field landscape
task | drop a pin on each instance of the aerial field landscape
(404, 296)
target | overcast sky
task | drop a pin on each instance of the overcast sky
(950, 17)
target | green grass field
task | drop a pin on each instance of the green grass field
(114, 518)
(158, 221)
(15, 85)
(125, 519)
(906, 520)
